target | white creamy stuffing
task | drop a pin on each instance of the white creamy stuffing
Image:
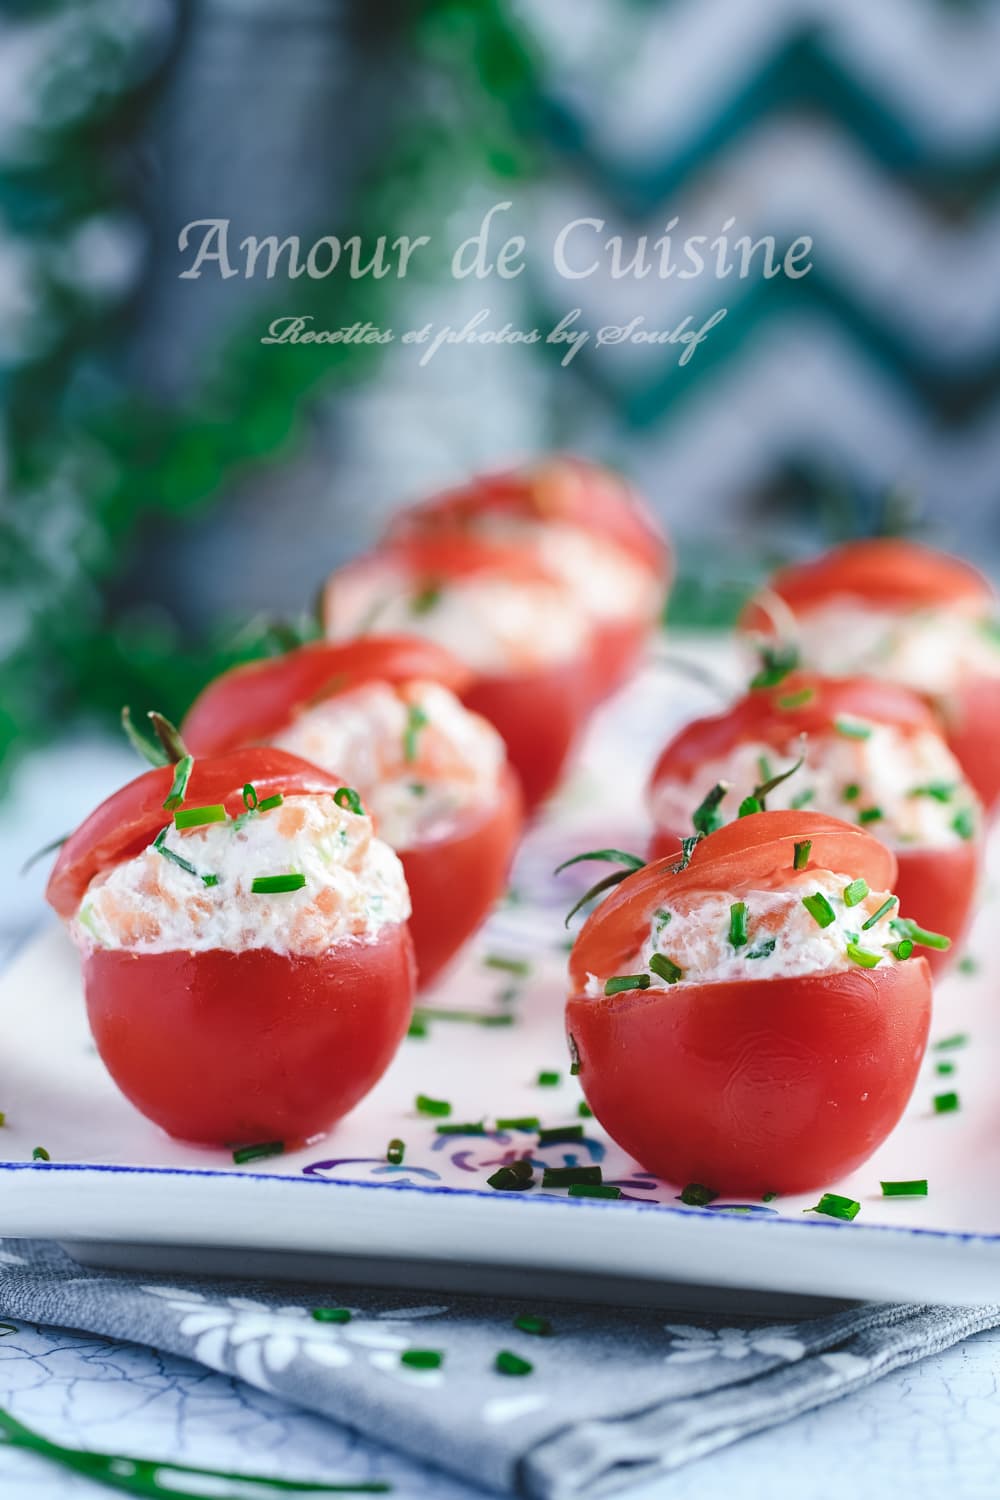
(783, 937)
(926, 649)
(912, 780)
(354, 886)
(415, 778)
(494, 625)
(608, 580)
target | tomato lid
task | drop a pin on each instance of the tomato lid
(732, 859)
(802, 703)
(250, 704)
(131, 818)
(882, 572)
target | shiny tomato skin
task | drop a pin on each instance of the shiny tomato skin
(972, 727)
(539, 714)
(255, 702)
(778, 1085)
(937, 889)
(227, 1048)
(454, 881)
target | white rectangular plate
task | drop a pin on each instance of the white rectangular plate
(114, 1178)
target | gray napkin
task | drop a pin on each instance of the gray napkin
(613, 1396)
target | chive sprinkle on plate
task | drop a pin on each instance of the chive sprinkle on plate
(835, 1207)
(916, 1187)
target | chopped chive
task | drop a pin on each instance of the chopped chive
(706, 817)
(418, 788)
(802, 852)
(863, 956)
(269, 885)
(518, 1122)
(559, 1135)
(426, 1013)
(417, 1026)
(852, 729)
(249, 796)
(665, 968)
(40, 1154)
(945, 1104)
(548, 1078)
(662, 918)
(768, 1197)
(951, 1043)
(802, 799)
(596, 1190)
(243, 1154)
(907, 928)
(967, 965)
(819, 909)
(178, 859)
(584, 1110)
(796, 700)
(964, 823)
(422, 1359)
(537, 1327)
(566, 1176)
(476, 1128)
(836, 1207)
(425, 1105)
(508, 1180)
(416, 720)
(519, 966)
(944, 1069)
(941, 791)
(870, 815)
(851, 792)
(182, 775)
(623, 982)
(331, 1314)
(696, 1195)
(347, 797)
(776, 662)
(915, 1188)
(395, 1151)
(195, 817)
(271, 802)
(3, 1118)
(738, 924)
(748, 806)
(883, 911)
(855, 892)
(425, 600)
(507, 1363)
(762, 950)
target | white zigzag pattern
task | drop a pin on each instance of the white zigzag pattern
(646, 89)
(933, 284)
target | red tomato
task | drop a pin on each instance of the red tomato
(454, 881)
(539, 709)
(780, 1085)
(230, 1047)
(132, 817)
(936, 887)
(238, 1048)
(253, 703)
(570, 492)
(892, 573)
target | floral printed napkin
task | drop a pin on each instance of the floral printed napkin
(551, 1402)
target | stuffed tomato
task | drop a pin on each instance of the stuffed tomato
(383, 713)
(586, 524)
(509, 619)
(752, 1021)
(894, 609)
(869, 752)
(247, 963)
